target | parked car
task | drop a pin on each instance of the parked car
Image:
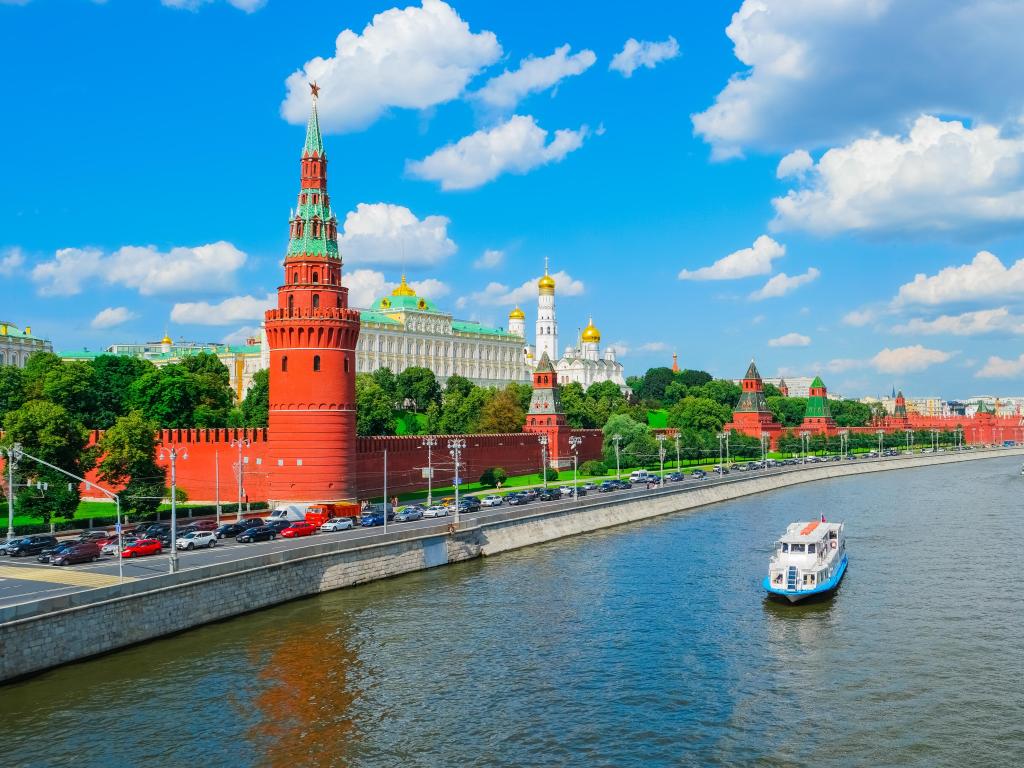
(491, 501)
(608, 486)
(142, 547)
(230, 530)
(298, 529)
(517, 499)
(338, 524)
(31, 545)
(95, 534)
(437, 510)
(698, 474)
(372, 519)
(530, 493)
(469, 504)
(409, 514)
(197, 539)
(78, 552)
(205, 525)
(589, 486)
(549, 494)
(257, 533)
(277, 525)
(624, 484)
(46, 554)
(110, 548)
(675, 477)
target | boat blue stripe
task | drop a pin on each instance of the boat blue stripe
(825, 587)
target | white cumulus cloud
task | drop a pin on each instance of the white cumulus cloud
(491, 258)
(790, 340)
(410, 58)
(643, 53)
(985, 277)
(111, 316)
(781, 284)
(908, 359)
(382, 233)
(943, 176)
(796, 163)
(242, 335)
(227, 312)
(204, 268)
(746, 262)
(858, 318)
(1002, 368)
(516, 146)
(997, 320)
(11, 261)
(807, 62)
(498, 294)
(654, 346)
(365, 285)
(430, 288)
(534, 75)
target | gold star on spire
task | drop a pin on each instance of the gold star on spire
(315, 89)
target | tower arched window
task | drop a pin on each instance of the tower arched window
(295, 278)
(346, 365)
(316, 300)
(316, 277)
(291, 303)
(284, 364)
(316, 363)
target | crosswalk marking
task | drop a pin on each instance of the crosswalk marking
(59, 575)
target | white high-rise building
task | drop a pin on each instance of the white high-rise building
(547, 327)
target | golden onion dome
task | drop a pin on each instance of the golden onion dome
(546, 284)
(166, 340)
(403, 289)
(517, 314)
(590, 334)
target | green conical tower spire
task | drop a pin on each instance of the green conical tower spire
(314, 141)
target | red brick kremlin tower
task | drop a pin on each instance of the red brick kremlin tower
(818, 415)
(751, 416)
(312, 339)
(545, 416)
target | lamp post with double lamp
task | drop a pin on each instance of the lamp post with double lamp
(429, 443)
(240, 443)
(881, 437)
(661, 457)
(12, 455)
(172, 453)
(455, 448)
(574, 443)
(678, 465)
(805, 444)
(910, 440)
(216, 482)
(721, 439)
(543, 440)
(617, 439)
(765, 442)
(844, 442)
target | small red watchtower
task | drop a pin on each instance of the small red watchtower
(545, 416)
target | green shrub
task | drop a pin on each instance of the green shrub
(493, 475)
(550, 474)
(593, 468)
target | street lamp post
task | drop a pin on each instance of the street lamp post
(678, 465)
(574, 442)
(805, 445)
(173, 455)
(721, 437)
(240, 469)
(543, 440)
(455, 448)
(881, 435)
(617, 439)
(661, 457)
(844, 443)
(910, 439)
(216, 481)
(13, 455)
(385, 490)
(429, 443)
(765, 437)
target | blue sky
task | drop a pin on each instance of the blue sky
(832, 187)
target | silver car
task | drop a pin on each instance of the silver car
(196, 539)
(338, 524)
(436, 511)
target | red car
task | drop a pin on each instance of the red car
(298, 529)
(205, 525)
(143, 547)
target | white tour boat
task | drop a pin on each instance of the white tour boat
(810, 559)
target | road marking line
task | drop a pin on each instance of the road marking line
(56, 575)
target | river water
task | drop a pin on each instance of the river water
(645, 645)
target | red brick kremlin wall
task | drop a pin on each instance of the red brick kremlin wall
(517, 453)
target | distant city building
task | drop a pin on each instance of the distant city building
(241, 360)
(16, 344)
(403, 330)
(794, 386)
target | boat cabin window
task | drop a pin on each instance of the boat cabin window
(810, 549)
(798, 547)
(785, 547)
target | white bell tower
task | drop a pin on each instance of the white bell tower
(547, 327)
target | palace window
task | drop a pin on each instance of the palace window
(302, 199)
(346, 364)
(316, 363)
(284, 364)
(295, 278)
(316, 277)
(291, 303)
(316, 300)
(316, 199)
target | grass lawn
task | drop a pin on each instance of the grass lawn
(657, 419)
(409, 423)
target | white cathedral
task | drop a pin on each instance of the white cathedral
(582, 363)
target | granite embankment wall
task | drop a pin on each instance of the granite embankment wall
(46, 633)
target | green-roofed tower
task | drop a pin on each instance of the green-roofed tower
(752, 416)
(314, 227)
(818, 415)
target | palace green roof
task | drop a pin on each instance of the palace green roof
(468, 326)
(405, 304)
(373, 316)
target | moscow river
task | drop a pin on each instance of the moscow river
(645, 645)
